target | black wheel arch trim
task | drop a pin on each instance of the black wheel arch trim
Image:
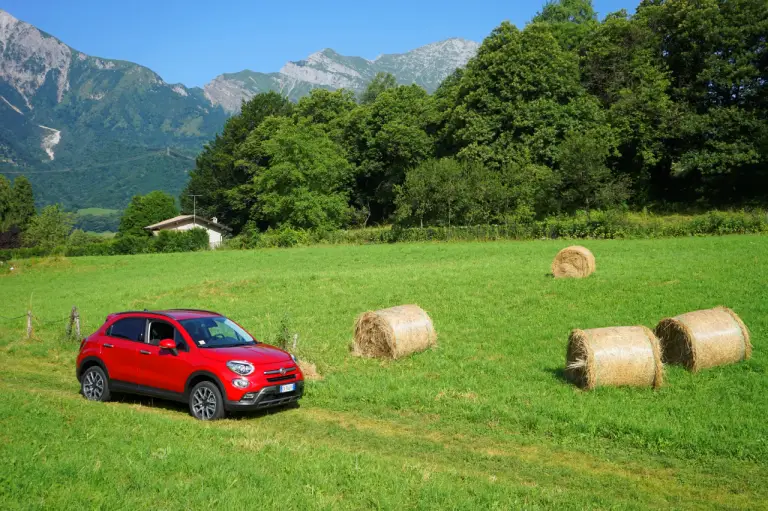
(86, 362)
(208, 375)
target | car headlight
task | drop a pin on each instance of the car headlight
(240, 367)
(294, 358)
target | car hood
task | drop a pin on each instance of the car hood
(260, 354)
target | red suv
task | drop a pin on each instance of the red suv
(193, 356)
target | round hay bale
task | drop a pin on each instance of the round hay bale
(625, 355)
(575, 262)
(706, 338)
(394, 332)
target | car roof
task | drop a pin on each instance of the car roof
(177, 314)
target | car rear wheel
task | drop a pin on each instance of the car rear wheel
(94, 384)
(205, 402)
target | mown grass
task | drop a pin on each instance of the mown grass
(483, 421)
(97, 211)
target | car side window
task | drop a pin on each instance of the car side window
(181, 344)
(160, 330)
(131, 329)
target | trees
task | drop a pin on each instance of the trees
(449, 192)
(669, 105)
(6, 194)
(586, 180)
(17, 205)
(146, 210)
(49, 229)
(384, 139)
(216, 170)
(717, 56)
(620, 68)
(380, 83)
(572, 20)
(22, 202)
(300, 176)
(521, 93)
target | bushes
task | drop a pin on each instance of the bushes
(167, 241)
(180, 241)
(600, 225)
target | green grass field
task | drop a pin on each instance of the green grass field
(484, 421)
(97, 211)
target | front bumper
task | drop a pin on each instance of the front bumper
(267, 398)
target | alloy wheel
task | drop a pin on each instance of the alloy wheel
(93, 385)
(204, 403)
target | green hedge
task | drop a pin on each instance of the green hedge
(599, 225)
(165, 242)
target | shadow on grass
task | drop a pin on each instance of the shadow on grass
(559, 373)
(183, 408)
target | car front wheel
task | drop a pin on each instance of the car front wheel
(94, 384)
(205, 402)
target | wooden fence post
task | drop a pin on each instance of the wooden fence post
(74, 319)
(29, 324)
(77, 322)
(295, 341)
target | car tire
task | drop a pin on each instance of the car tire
(94, 384)
(206, 402)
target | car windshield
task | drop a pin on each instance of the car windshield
(217, 332)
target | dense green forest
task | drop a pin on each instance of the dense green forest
(666, 108)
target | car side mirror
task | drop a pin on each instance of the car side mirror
(168, 344)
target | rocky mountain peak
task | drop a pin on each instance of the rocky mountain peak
(27, 56)
(426, 66)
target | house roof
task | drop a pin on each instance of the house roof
(183, 219)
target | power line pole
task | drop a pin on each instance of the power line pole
(194, 208)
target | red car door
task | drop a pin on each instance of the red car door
(120, 348)
(164, 369)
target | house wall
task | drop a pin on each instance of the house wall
(214, 237)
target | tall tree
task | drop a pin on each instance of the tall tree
(571, 20)
(146, 210)
(22, 203)
(380, 83)
(522, 92)
(216, 171)
(6, 194)
(49, 229)
(717, 55)
(620, 67)
(587, 181)
(384, 139)
(300, 176)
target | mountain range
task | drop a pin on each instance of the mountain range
(93, 132)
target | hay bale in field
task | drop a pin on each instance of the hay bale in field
(393, 332)
(625, 355)
(705, 338)
(575, 262)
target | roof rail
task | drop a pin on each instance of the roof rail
(145, 311)
(195, 310)
(165, 312)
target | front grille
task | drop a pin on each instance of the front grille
(284, 399)
(282, 378)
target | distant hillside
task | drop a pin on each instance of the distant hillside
(92, 132)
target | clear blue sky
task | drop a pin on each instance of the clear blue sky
(192, 41)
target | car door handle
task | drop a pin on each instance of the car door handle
(108, 345)
(145, 352)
